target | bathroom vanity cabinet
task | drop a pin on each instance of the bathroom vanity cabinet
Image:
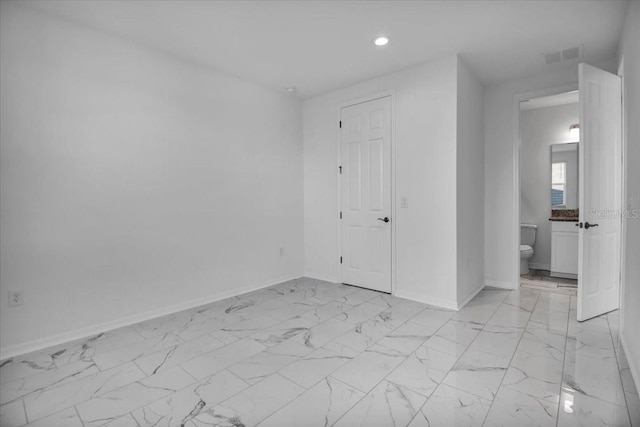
(564, 249)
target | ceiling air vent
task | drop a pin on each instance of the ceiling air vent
(563, 55)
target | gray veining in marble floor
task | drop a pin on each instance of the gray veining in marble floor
(312, 353)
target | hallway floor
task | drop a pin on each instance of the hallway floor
(312, 353)
(542, 280)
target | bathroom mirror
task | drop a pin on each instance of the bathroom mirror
(564, 176)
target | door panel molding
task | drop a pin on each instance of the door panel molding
(372, 157)
(600, 192)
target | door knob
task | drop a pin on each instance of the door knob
(587, 225)
(385, 219)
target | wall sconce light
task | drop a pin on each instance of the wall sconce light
(574, 131)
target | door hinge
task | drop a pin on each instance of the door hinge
(340, 124)
(340, 169)
(340, 260)
(340, 214)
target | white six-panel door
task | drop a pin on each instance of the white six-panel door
(365, 153)
(600, 192)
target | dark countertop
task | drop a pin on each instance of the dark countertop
(564, 218)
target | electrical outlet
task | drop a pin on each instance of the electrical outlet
(281, 251)
(404, 202)
(16, 298)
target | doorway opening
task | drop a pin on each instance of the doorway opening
(549, 146)
(599, 195)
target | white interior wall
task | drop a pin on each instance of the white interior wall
(539, 129)
(502, 257)
(425, 173)
(630, 319)
(470, 185)
(133, 182)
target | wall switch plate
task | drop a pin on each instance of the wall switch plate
(404, 202)
(281, 251)
(16, 298)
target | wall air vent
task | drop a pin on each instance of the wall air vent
(563, 55)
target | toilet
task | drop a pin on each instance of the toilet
(527, 240)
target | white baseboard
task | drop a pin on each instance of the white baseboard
(498, 284)
(438, 302)
(633, 359)
(77, 334)
(475, 292)
(322, 277)
(539, 266)
(564, 275)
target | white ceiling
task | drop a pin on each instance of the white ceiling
(550, 101)
(320, 46)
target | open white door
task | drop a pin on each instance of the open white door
(600, 192)
(365, 152)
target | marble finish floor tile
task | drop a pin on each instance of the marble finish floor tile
(312, 353)
(128, 353)
(362, 312)
(633, 405)
(454, 337)
(369, 367)
(252, 405)
(65, 418)
(327, 311)
(539, 377)
(124, 421)
(319, 335)
(364, 334)
(45, 380)
(580, 410)
(12, 414)
(448, 406)
(499, 340)
(179, 408)
(262, 365)
(478, 373)
(222, 358)
(117, 403)
(512, 408)
(73, 353)
(174, 356)
(405, 339)
(315, 366)
(422, 371)
(433, 318)
(320, 406)
(554, 320)
(594, 378)
(46, 402)
(388, 404)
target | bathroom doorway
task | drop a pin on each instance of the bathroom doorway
(549, 146)
(598, 216)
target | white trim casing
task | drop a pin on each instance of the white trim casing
(624, 202)
(439, 302)
(500, 284)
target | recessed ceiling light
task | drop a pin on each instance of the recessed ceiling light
(291, 90)
(381, 40)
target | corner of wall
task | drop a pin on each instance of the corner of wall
(630, 291)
